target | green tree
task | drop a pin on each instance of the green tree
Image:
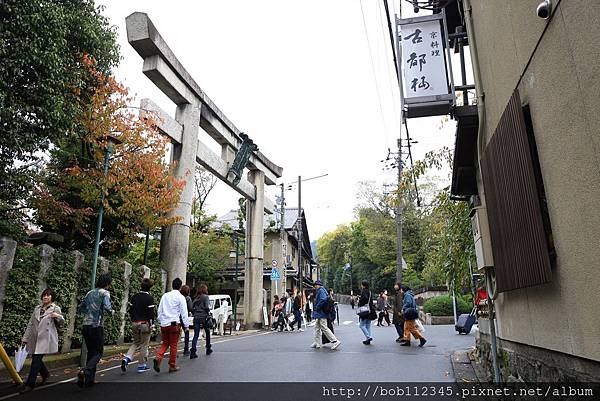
(208, 253)
(42, 80)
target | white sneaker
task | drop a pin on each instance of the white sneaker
(315, 345)
(335, 344)
(301, 329)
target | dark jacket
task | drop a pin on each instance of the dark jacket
(189, 303)
(365, 295)
(201, 307)
(319, 304)
(381, 304)
(296, 306)
(142, 307)
(398, 318)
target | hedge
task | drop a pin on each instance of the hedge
(22, 293)
(442, 306)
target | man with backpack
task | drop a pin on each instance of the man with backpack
(323, 305)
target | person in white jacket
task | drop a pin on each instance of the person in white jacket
(171, 311)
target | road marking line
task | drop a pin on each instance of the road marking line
(347, 322)
(119, 366)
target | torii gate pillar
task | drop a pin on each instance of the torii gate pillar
(253, 282)
(176, 237)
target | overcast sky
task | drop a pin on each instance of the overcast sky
(314, 89)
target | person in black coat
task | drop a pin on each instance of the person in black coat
(200, 310)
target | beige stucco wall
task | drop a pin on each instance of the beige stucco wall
(562, 86)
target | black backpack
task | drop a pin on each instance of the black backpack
(328, 307)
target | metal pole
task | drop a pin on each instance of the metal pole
(235, 294)
(350, 274)
(463, 67)
(399, 214)
(399, 160)
(146, 246)
(283, 240)
(99, 221)
(300, 243)
(83, 353)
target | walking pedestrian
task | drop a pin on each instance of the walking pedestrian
(331, 316)
(382, 307)
(200, 310)
(352, 301)
(272, 316)
(172, 310)
(323, 306)
(308, 309)
(365, 317)
(93, 306)
(41, 337)
(297, 310)
(398, 317)
(411, 314)
(185, 291)
(141, 311)
(288, 308)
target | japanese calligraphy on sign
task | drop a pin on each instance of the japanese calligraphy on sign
(423, 64)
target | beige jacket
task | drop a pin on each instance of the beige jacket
(41, 334)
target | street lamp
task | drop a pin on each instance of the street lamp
(112, 141)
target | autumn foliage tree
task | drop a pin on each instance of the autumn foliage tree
(138, 192)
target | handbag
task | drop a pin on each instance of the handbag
(364, 311)
(209, 323)
(411, 314)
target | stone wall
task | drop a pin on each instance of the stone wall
(522, 362)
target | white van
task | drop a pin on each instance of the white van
(216, 302)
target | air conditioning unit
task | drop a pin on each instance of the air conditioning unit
(481, 237)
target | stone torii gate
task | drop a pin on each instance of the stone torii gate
(195, 110)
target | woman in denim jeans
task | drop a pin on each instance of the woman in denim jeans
(365, 322)
(201, 308)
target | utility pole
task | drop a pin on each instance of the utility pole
(399, 214)
(283, 239)
(300, 234)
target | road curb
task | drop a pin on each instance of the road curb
(462, 367)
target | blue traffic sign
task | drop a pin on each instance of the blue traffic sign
(275, 275)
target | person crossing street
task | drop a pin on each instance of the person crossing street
(323, 306)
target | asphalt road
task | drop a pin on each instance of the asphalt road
(287, 356)
(276, 358)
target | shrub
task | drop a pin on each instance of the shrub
(22, 295)
(442, 306)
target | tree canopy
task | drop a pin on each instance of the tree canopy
(42, 83)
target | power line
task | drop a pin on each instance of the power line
(373, 70)
(387, 15)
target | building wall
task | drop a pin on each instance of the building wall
(560, 81)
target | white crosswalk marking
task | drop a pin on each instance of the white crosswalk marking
(347, 322)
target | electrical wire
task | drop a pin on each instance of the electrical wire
(392, 42)
(373, 70)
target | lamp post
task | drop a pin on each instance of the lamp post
(111, 142)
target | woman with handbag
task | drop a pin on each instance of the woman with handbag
(202, 320)
(41, 337)
(366, 312)
(411, 314)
